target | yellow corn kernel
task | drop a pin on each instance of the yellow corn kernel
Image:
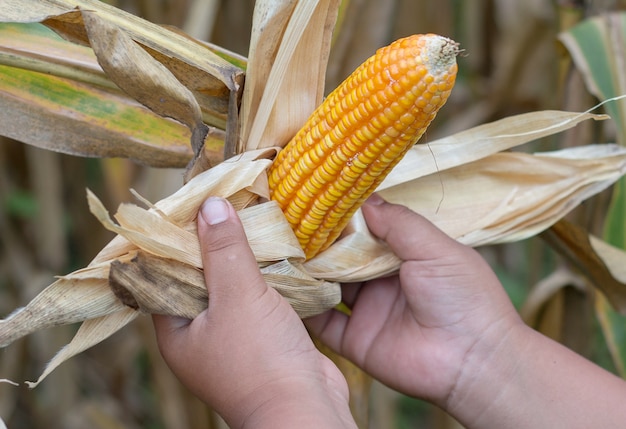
(361, 131)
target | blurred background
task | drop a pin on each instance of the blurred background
(512, 63)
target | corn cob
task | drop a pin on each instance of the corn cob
(358, 134)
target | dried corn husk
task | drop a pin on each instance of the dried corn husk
(435, 179)
(504, 197)
(526, 193)
(281, 94)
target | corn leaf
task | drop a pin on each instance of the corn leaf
(196, 66)
(614, 329)
(597, 46)
(142, 77)
(54, 95)
(215, 83)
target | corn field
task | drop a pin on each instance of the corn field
(514, 61)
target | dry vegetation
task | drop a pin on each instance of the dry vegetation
(512, 64)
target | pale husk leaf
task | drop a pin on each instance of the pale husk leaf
(167, 230)
(65, 301)
(90, 333)
(613, 257)
(504, 197)
(529, 185)
(481, 141)
(289, 50)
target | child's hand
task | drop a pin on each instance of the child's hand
(414, 331)
(445, 330)
(248, 355)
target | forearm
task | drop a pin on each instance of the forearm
(530, 381)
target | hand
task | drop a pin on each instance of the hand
(416, 330)
(444, 329)
(248, 355)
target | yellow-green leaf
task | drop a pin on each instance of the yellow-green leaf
(54, 95)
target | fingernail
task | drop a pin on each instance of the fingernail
(375, 200)
(215, 210)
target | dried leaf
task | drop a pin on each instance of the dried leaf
(163, 286)
(54, 95)
(90, 333)
(207, 75)
(481, 141)
(159, 286)
(64, 302)
(603, 264)
(142, 77)
(286, 67)
(214, 82)
(504, 197)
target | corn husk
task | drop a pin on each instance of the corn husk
(502, 198)
(512, 195)
(279, 96)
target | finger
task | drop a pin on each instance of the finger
(230, 268)
(166, 325)
(329, 327)
(349, 293)
(169, 331)
(410, 236)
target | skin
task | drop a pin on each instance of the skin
(442, 329)
(248, 355)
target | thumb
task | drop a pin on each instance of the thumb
(409, 235)
(231, 272)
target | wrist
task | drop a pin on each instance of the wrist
(292, 402)
(489, 374)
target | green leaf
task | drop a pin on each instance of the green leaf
(597, 48)
(614, 329)
(615, 222)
